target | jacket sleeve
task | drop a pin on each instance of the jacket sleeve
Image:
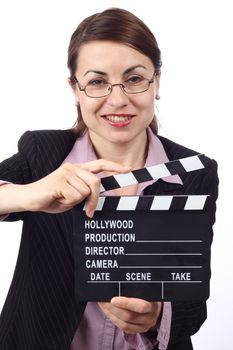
(187, 317)
(16, 169)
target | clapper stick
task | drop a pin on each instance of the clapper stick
(153, 172)
(151, 247)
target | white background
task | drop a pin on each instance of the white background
(195, 107)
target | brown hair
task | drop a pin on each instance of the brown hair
(117, 25)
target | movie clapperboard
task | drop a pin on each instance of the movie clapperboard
(155, 247)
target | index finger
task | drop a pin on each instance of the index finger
(99, 165)
(133, 304)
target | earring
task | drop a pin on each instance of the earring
(157, 97)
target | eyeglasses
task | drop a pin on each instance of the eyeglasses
(97, 88)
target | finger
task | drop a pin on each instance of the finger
(128, 316)
(99, 165)
(90, 204)
(96, 167)
(70, 196)
(93, 183)
(79, 185)
(133, 304)
(126, 326)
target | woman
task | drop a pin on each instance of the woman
(114, 64)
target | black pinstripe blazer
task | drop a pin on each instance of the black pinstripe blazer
(40, 312)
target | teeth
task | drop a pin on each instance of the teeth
(115, 118)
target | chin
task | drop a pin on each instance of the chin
(120, 140)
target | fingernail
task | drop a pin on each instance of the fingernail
(114, 300)
(90, 213)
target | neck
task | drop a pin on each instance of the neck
(132, 153)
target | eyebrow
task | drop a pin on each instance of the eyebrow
(125, 72)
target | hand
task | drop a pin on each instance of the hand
(67, 186)
(132, 315)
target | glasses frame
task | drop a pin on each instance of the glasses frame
(150, 81)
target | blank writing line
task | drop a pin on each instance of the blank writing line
(173, 241)
(160, 267)
(163, 254)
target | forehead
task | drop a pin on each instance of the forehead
(110, 56)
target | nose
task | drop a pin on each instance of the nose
(117, 97)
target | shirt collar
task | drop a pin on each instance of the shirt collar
(82, 151)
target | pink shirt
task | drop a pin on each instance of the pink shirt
(95, 330)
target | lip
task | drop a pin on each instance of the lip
(119, 123)
(119, 114)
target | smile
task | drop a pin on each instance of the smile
(117, 118)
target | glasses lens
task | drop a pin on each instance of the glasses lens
(98, 90)
(133, 87)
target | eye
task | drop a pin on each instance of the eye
(97, 82)
(135, 79)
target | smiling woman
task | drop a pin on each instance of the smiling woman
(114, 64)
(125, 111)
(119, 28)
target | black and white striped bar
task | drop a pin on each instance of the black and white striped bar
(154, 172)
(151, 203)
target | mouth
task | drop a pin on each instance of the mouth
(118, 120)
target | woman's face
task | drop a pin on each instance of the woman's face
(119, 117)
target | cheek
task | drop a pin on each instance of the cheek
(89, 105)
(145, 103)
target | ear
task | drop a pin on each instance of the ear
(157, 84)
(73, 88)
(72, 84)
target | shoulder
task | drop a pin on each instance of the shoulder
(45, 138)
(46, 149)
(199, 181)
(175, 150)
